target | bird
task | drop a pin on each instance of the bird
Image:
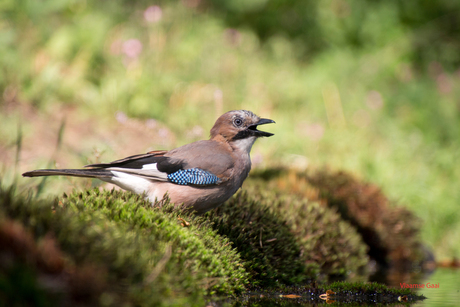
(200, 176)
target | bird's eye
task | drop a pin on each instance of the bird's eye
(237, 122)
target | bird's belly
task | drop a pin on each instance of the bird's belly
(202, 199)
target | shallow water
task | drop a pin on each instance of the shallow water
(448, 293)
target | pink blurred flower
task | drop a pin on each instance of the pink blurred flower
(361, 118)
(196, 132)
(257, 158)
(374, 100)
(314, 131)
(233, 36)
(115, 47)
(191, 3)
(132, 48)
(121, 117)
(153, 14)
(151, 123)
(444, 84)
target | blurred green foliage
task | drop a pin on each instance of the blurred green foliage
(433, 26)
(366, 86)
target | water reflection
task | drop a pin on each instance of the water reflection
(448, 293)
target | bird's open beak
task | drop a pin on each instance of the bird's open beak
(259, 133)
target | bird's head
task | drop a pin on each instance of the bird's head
(240, 126)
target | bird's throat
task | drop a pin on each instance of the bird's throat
(243, 145)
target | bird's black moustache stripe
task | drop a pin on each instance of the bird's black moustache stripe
(243, 134)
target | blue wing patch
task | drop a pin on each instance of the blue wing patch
(194, 176)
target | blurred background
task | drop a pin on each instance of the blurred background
(369, 87)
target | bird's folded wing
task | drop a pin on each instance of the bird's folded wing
(210, 156)
(156, 166)
(193, 176)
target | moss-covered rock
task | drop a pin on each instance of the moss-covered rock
(325, 238)
(22, 262)
(114, 247)
(287, 240)
(264, 239)
(390, 231)
(197, 248)
(137, 255)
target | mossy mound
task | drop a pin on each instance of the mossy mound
(287, 240)
(196, 247)
(138, 253)
(114, 247)
(264, 240)
(124, 252)
(23, 262)
(391, 232)
(325, 238)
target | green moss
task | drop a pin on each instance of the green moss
(264, 239)
(391, 232)
(123, 250)
(287, 240)
(197, 247)
(325, 238)
(19, 287)
(139, 255)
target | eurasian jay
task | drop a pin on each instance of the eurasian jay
(201, 175)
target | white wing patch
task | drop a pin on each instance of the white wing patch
(152, 166)
(130, 182)
(149, 172)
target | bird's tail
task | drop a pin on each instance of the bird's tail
(90, 173)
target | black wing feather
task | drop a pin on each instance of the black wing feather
(164, 164)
